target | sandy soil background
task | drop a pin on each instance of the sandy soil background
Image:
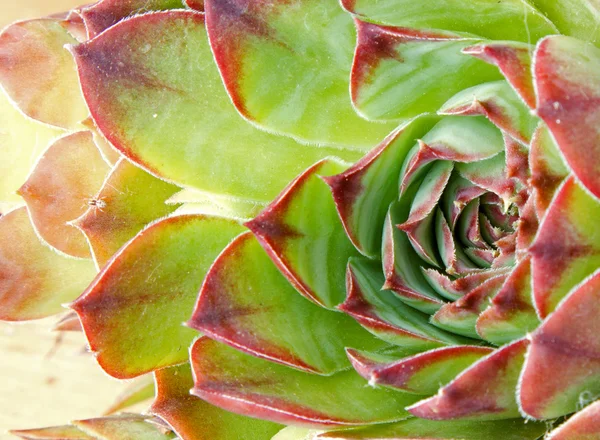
(36, 388)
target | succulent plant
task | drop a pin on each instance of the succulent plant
(377, 219)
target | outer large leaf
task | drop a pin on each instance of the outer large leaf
(194, 419)
(105, 13)
(34, 280)
(38, 73)
(281, 60)
(133, 313)
(400, 72)
(164, 107)
(505, 20)
(247, 303)
(567, 339)
(568, 87)
(130, 198)
(60, 187)
(248, 385)
(414, 429)
(20, 146)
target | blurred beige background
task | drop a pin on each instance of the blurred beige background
(38, 389)
(11, 10)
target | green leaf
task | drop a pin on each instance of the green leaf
(248, 385)
(399, 72)
(286, 66)
(194, 419)
(133, 313)
(511, 315)
(363, 192)
(237, 306)
(385, 314)
(106, 13)
(497, 20)
(164, 107)
(499, 103)
(567, 339)
(484, 391)
(302, 233)
(123, 427)
(130, 198)
(577, 18)
(441, 430)
(422, 373)
(140, 390)
(566, 248)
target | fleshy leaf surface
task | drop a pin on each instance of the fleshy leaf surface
(387, 316)
(400, 72)
(61, 186)
(567, 246)
(422, 373)
(568, 91)
(247, 385)
(311, 42)
(514, 61)
(194, 419)
(413, 429)
(106, 13)
(584, 425)
(145, 106)
(511, 314)
(581, 21)
(567, 338)
(303, 235)
(237, 306)
(484, 391)
(34, 280)
(129, 199)
(499, 103)
(363, 192)
(133, 313)
(507, 20)
(39, 74)
(548, 169)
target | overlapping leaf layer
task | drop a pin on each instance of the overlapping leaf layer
(372, 219)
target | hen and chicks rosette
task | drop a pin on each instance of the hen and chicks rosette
(304, 219)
